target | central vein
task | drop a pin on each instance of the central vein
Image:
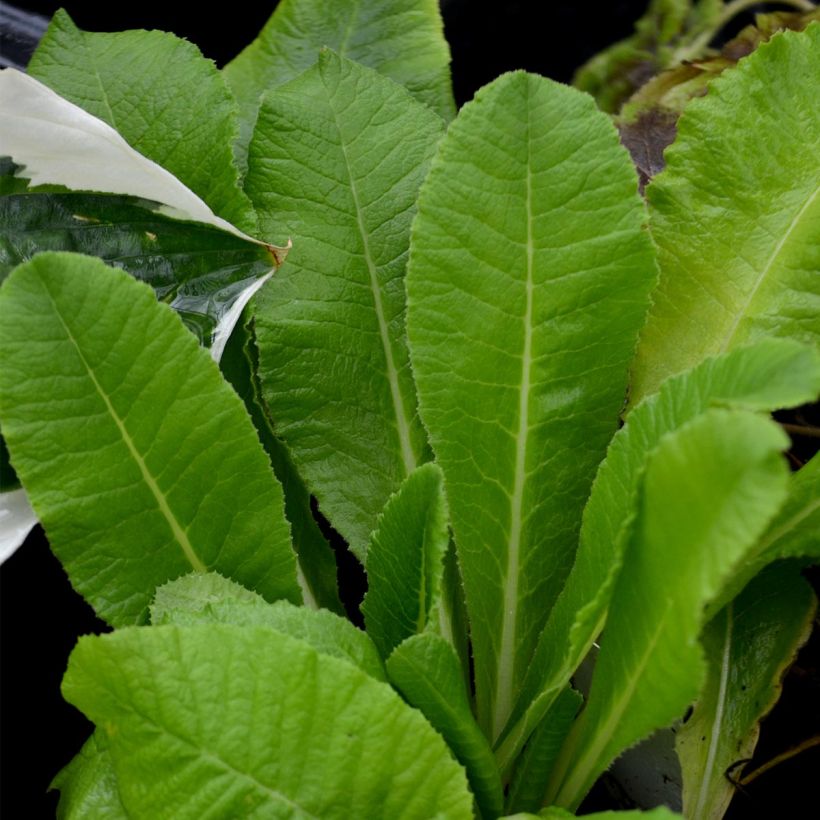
(506, 655)
(402, 423)
(708, 778)
(178, 531)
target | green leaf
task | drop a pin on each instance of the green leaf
(235, 721)
(210, 598)
(709, 491)
(425, 669)
(532, 770)
(338, 158)
(316, 562)
(196, 268)
(736, 215)
(528, 281)
(137, 457)
(405, 560)
(795, 533)
(749, 645)
(88, 784)
(770, 375)
(159, 92)
(402, 39)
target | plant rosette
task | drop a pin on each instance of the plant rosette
(535, 406)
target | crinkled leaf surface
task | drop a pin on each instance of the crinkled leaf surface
(425, 669)
(736, 214)
(88, 785)
(210, 598)
(770, 375)
(137, 457)
(196, 268)
(157, 90)
(316, 561)
(337, 160)
(405, 560)
(402, 39)
(709, 491)
(749, 644)
(527, 284)
(231, 721)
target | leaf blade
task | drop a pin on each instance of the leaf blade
(133, 380)
(313, 743)
(491, 290)
(749, 644)
(769, 375)
(425, 669)
(709, 492)
(337, 159)
(405, 560)
(402, 40)
(708, 215)
(161, 95)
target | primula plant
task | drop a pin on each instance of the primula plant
(535, 405)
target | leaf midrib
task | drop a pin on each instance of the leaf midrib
(402, 423)
(720, 706)
(178, 531)
(509, 627)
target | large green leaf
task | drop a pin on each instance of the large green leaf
(405, 560)
(528, 281)
(749, 644)
(138, 458)
(209, 598)
(425, 669)
(196, 268)
(709, 491)
(772, 374)
(736, 214)
(402, 39)
(88, 784)
(228, 721)
(337, 160)
(316, 561)
(159, 92)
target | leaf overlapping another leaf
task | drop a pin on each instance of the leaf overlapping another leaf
(196, 268)
(402, 39)
(166, 100)
(748, 645)
(245, 722)
(337, 160)
(736, 215)
(528, 281)
(709, 491)
(139, 460)
(769, 375)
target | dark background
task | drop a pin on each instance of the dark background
(40, 615)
